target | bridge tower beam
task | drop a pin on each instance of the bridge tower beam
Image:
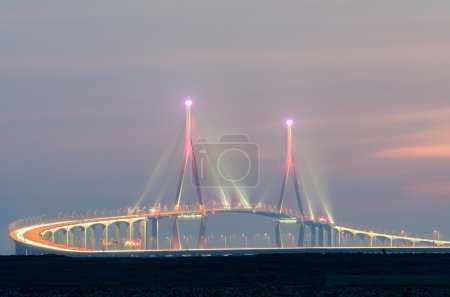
(290, 170)
(188, 155)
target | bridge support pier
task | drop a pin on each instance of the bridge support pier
(301, 235)
(93, 241)
(105, 237)
(21, 250)
(84, 238)
(130, 231)
(64, 237)
(337, 234)
(202, 233)
(313, 235)
(67, 243)
(52, 237)
(278, 241)
(154, 234)
(350, 239)
(117, 232)
(143, 233)
(336, 237)
(362, 240)
(321, 235)
(329, 236)
(72, 238)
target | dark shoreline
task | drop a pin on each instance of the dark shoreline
(276, 275)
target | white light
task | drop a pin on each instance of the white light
(188, 102)
(289, 122)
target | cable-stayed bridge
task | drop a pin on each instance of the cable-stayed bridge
(136, 231)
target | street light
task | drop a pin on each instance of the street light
(402, 234)
(225, 239)
(437, 234)
(245, 238)
(187, 241)
(268, 239)
(290, 235)
(210, 240)
(169, 242)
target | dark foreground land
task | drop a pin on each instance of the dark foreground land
(262, 275)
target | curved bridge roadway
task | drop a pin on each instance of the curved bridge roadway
(322, 236)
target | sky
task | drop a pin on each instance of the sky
(91, 98)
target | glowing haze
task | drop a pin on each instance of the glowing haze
(91, 99)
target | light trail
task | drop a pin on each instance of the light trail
(32, 235)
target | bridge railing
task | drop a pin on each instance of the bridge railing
(91, 214)
(261, 207)
(63, 217)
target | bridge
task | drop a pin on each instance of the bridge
(101, 234)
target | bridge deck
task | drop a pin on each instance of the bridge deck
(32, 236)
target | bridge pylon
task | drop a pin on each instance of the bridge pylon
(289, 170)
(188, 156)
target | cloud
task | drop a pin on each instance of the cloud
(434, 115)
(381, 56)
(428, 138)
(438, 151)
(429, 190)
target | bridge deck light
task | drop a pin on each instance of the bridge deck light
(289, 122)
(188, 102)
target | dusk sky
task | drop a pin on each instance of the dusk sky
(91, 97)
